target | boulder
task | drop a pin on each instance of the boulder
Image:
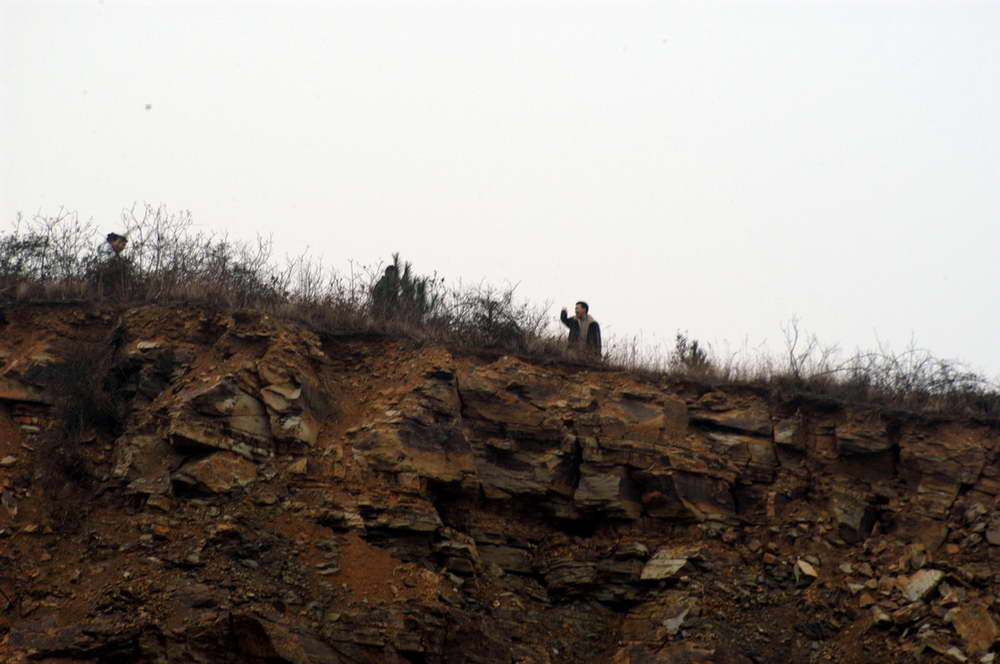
(667, 562)
(805, 573)
(217, 473)
(749, 422)
(704, 496)
(609, 490)
(853, 517)
(920, 584)
(222, 415)
(938, 461)
(677, 652)
(993, 533)
(281, 398)
(909, 613)
(570, 576)
(975, 624)
(854, 440)
(265, 640)
(406, 515)
(789, 432)
(507, 558)
(146, 462)
(421, 435)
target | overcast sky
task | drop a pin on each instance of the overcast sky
(716, 167)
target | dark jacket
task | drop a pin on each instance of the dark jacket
(385, 295)
(593, 343)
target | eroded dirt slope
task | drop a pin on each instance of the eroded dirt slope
(257, 492)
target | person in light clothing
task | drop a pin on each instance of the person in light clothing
(584, 331)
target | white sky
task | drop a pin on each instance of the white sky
(716, 167)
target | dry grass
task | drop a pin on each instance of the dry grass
(913, 379)
(169, 261)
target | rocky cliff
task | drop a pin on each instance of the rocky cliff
(197, 486)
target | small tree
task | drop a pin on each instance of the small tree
(402, 294)
(689, 355)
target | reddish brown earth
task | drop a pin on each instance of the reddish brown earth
(266, 493)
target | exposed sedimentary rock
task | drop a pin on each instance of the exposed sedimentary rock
(269, 495)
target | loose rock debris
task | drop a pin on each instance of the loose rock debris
(276, 494)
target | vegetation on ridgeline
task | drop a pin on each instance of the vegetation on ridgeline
(170, 261)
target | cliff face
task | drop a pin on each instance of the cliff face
(184, 486)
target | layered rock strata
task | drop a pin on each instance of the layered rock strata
(271, 494)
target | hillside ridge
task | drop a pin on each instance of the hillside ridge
(197, 485)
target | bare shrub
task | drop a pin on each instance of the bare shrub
(493, 318)
(51, 253)
(916, 379)
(169, 260)
(913, 379)
(172, 260)
(807, 360)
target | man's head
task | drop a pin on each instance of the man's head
(582, 309)
(117, 242)
(390, 271)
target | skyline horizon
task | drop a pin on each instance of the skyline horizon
(716, 167)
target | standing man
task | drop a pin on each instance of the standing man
(584, 332)
(111, 271)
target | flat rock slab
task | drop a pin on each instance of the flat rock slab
(218, 473)
(805, 569)
(976, 627)
(666, 562)
(920, 584)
